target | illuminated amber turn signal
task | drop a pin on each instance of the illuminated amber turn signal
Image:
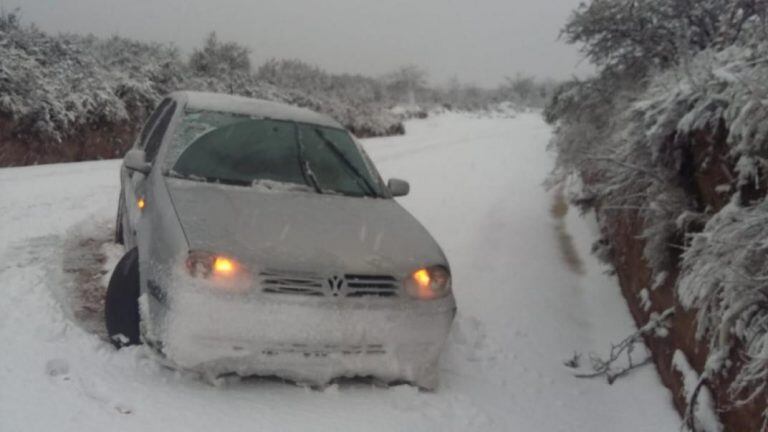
(140, 203)
(422, 278)
(423, 284)
(428, 283)
(223, 266)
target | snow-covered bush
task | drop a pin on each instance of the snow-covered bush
(635, 143)
(53, 86)
(527, 91)
(724, 277)
(295, 74)
(47, 101)
(679, 79)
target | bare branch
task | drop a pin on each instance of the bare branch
(607, 367)
(627, 165)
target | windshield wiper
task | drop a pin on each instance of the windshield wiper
(350, 166)
(306, 170)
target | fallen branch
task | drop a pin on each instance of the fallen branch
(607, 367)
(690, 414)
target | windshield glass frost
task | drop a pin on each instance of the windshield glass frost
(238, 149)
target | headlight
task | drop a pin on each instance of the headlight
(429, 283)
(222, 271)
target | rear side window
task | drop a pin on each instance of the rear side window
(156, 137)
(150, 123)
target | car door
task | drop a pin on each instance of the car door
(134, 182)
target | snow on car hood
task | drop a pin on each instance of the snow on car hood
(299, 231)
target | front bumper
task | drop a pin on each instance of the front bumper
(306, 339)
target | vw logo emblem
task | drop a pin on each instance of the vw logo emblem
(336, 285)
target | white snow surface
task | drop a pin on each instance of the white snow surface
(476, 184)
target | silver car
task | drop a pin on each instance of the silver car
(261, 240)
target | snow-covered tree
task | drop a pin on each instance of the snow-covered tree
(406, 81)
(217, 58)
(526, 90)
(294, 74)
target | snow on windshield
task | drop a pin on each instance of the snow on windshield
(194, 125)
(237, 149)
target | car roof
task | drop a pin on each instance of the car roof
(205, 101)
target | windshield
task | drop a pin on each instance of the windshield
(238, 149)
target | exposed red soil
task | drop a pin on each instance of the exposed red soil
(711, 170)
(97, 141)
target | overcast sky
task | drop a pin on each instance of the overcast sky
(479, 41)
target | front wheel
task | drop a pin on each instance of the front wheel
(121, 308)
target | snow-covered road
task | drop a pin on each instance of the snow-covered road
(476, 183)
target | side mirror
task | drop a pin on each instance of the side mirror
(398, 187)
(135, 160)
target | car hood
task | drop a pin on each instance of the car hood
(300, 231)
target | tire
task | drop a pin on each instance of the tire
(121, 309)
(119, 235)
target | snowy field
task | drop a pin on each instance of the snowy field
(477, 186)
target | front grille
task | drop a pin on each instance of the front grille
(350, 285)
(296, 284)
(367, 285)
